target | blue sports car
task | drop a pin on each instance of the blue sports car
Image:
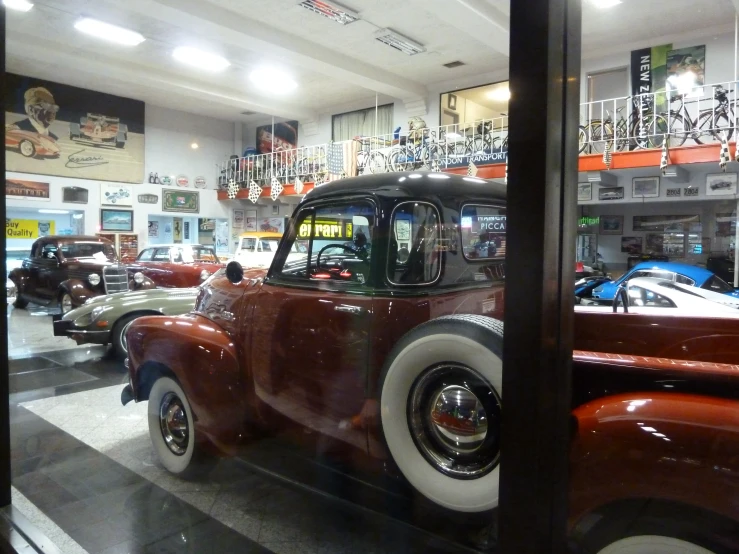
(683, 274)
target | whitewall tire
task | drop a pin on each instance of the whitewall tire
(653, 544)
(443, 432)
(171, 426)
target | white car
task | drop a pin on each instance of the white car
(650, 296)
(257, 249)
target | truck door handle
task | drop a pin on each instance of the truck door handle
(346, 308)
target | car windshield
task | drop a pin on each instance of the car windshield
(97, 250)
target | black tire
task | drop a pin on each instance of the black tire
(20, 302)
(117, 336)
(461, 351)
(191, 462)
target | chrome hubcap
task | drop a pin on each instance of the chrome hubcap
(173, 424)
(26, 148)
(454, 418)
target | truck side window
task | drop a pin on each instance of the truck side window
(334, 244)
(145, 255)
(416, 250)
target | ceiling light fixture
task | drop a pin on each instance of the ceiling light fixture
(500, 94)
(399, 42)
(61, 212)
(194, 146)
(201, 60)
(331, 10)
(19, 5)
(605, 4)
(106, 31)
(273, 80)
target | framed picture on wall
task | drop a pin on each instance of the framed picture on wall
(177, 200)
(611, 225)
(116, 220)
(645, 187)
(238, 219)
(611, 193)
(250, 220)
(116, 195)
(452, 102)
(631, 245)
(655, 243)
(74, 195)
(584, 192)
(719, 184)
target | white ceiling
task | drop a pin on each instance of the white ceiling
(333, 64)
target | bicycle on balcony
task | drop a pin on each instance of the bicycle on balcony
(718, 119)
(642, 129)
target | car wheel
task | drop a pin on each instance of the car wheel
(65, 303)
(118, 338)
(20, 302)
(27, 148)
(653, 544)
(171, 427)
(440, 407)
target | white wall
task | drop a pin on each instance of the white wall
(169, 135)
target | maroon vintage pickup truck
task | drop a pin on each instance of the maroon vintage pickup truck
(383, 343)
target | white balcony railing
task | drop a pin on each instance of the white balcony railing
(698, 116)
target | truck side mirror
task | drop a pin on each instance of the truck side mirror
(234, 272)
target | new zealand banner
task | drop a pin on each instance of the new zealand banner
(648, 76)
(55, 129)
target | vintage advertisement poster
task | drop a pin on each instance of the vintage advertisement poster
(177, 235)
(686, 67)
(116, 195)
(27, 190)
(55, 129)
(174, 200)
(28, 228)
(285, 137)
(272, 224)
(251, 220)
(153, 229)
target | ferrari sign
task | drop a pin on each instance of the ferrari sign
(327, 229)
(28, 228)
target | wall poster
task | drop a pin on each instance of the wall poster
(250, 220)
(177, 235)
(272, 224)
(28, 228)
(686, 67)
(285, 137)
(27, 190)
(175, 200)
(55, 129)
(154, 229)
(116, 195)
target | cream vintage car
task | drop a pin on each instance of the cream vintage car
(257, 248)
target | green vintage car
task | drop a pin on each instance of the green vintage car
(105, 319)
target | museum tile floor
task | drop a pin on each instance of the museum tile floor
(85, 475)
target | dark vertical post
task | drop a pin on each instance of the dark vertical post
(4, 387)
(540, 266)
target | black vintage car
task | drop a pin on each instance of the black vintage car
(67, 270)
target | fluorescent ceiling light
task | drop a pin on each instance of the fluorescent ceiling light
(500, 94)
(111, 33)
(77, 216)
(605, 4)
(201, 60)
(19, 5)
(272, 79)
(53, 211)
(399, 42)
(331, 10)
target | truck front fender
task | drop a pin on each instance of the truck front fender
(203, 358)
(20, 277)
(78, 289)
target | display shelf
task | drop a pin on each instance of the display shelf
(126, 244)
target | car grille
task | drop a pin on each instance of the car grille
(115, 278)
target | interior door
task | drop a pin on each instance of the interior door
(311, 328)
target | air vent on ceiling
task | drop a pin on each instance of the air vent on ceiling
(452, 65)
(399, 42)
(331, 10)
(247, 112)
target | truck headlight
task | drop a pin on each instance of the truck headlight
(94, 279)
(204, 275)
(138, 277)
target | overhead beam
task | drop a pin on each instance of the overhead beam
(231, 28)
